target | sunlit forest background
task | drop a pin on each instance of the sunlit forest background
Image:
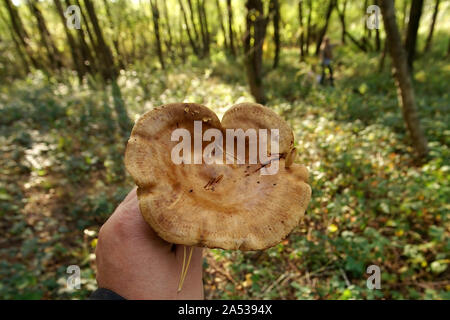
(376, 142)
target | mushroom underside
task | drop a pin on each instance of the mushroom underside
(228, 206)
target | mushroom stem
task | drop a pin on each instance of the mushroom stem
(183, 269)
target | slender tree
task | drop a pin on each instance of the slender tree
(108, 65)
(230, 28)
(377, 33)
(86, 52)
(168, 27)
(324, 29)
(130, 29)
(188, 30)
(308, 26)
(84, 26)
(53, 54)
(77, 59)
(192, 16)
(22, 57)
(115, 38)
(341, 14)
(448, 48)
(301, 37)
(383, 57)
(377, 40)
(411, 35)
(433, 23)
(402, 79)
(21, 33)
(404, 15)
(180, 40)
(155, 14)
(364, 27)
(222, 25)
(274, 11)
(346, 34)
(123, 119)
(203, 26)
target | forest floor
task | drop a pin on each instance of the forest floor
(62, 175)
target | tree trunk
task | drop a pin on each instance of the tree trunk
(274, 11)
(342, 19)
(403, 80)
(188, 30)
(143, 38)
(181, 42)
(364, 27)
(78, 64)
(222, 25)
(123, 119)
(433, 23)
(256, 24)
(356, 42)
(168, 26)
(203, 26)
(383, 57)
(115, 39)
(108, 66)
(411, 35)
(405, 14)
(377, 33)
(377, 40)
(346, 33)
(53, 54)
(155, 15)
(86, 25)
(323, 31)
(194, 25)
(87, 54)
(131, 32)
(25, 65)
(301, 39)
(230, 28)
(448, 48)
(20, 31)
(205, 21)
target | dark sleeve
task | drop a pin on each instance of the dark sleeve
(105, 294)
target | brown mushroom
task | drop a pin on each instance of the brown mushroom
(228, 206)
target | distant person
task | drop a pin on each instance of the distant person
(326, 56)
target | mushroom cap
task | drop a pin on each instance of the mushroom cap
(228, 206)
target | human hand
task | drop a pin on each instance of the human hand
(137, 264)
